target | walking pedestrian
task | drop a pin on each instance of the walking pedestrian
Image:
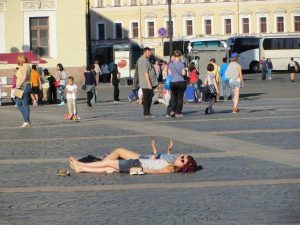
(23, 77)
(269, 68)
(225, 80)
(235, 75)
(178, 84)
(61, 76)
(211, 87)
(105, 72)
(114, 80)
(293, 68)
(263, 65)
(36, 85)
(90, 84)
(193, 75)
(97, 71)
(144, 70)
(216, 72)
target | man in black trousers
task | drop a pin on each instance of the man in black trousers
(144, 73)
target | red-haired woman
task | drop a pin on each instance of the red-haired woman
(123, 161)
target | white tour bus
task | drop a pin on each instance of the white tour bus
(279, 48)
(248, 49)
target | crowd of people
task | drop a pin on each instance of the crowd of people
(177, 78)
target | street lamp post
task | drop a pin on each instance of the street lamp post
(170, 32)
(88, 33)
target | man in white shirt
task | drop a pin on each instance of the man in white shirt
(97, 70)
(105, 72)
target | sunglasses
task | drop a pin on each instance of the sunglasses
(182, 159)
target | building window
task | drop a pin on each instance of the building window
(187, 1)
(280, 24)
(99, 3)
(263, 24)
(133, 2)
(135, 29)
(227, 26)
(297, 23)
(117, 2)
(170, 28)
(189, 27)
(39, 35)
(149, 2)
(207, 24)
(150, 29)
(101, 31)
(118, 29)
(245, 23)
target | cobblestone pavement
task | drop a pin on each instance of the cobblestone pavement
(251, 162)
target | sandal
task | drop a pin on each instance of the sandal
(63, 172)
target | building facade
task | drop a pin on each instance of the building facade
(138, 21)
(51, 28)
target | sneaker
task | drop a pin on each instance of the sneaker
(116, 101)
(199, 101)
(62, 103)
(178, 115)
(168, 116)
(149, 116)
(206, 111)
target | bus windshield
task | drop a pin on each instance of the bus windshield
(205, 44)
(245, 44)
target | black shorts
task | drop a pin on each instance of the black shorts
(35, 90)
(292, 69)
(126, 165)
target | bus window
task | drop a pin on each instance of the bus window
(281, 43)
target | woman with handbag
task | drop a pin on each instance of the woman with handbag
(212, 89)
(23, 87)
(177, 71)
(61, 77)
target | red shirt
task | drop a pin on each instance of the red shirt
(193, 76)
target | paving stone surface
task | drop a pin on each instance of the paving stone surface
(234, 187)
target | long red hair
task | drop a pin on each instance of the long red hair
(190, 167)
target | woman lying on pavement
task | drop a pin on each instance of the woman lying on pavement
(126, 161)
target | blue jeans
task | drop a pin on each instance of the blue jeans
(269, 74)
(23, 103)
(197, 89)
(61, 92)
(225, 85)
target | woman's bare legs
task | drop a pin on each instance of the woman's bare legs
(236, 97)
(292, 76)
(94, 167)
(121, 153)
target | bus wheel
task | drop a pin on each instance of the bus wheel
(254, 67)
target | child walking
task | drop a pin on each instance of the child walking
(211, 88)
(71, 90)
